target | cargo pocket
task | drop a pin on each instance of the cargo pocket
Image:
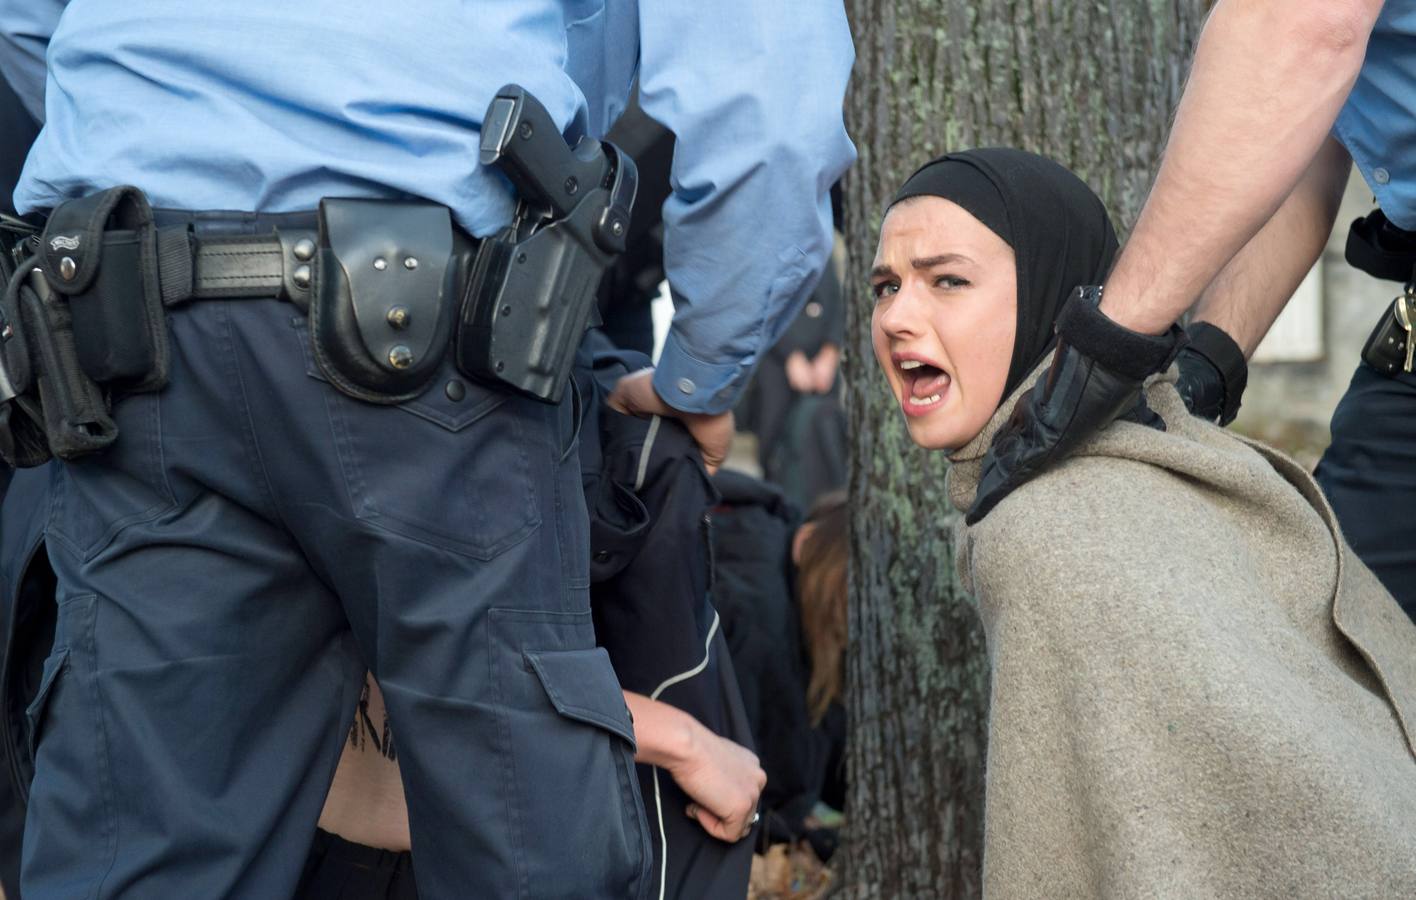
(34, 713)
(448, 468)
(580, 823)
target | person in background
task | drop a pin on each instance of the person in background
(780, 585)
(821, 550)
(794, 402)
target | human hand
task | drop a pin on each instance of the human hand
(825, 366)
(800, 373)
(634, 395)
(1213, 374)
(1200, 386)
(725, 782)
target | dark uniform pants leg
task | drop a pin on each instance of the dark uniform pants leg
(211, 568)
(453, 529)
(202, 678)
(1369, 476)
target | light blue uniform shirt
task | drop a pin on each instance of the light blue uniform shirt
(1378, 123)
(269, 105)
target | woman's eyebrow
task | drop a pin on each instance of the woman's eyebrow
(881, 271)
(943, 259)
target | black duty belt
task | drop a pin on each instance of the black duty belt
(195, 267)
(390, 286)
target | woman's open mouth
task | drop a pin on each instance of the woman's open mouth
(926, 386)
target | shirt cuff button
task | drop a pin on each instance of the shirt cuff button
(686, 385)
(1381, 176)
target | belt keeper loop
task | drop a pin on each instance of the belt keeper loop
(174, 264)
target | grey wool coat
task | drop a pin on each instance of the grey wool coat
(1198, 690)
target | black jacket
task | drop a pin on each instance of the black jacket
(755, 592)
(651, 576)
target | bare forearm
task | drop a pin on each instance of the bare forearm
(722, 779)
(1268, 80)
(664, 734)
(1250, 292)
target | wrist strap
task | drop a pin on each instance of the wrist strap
(1125, 352)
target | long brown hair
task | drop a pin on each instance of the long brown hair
(821, 586)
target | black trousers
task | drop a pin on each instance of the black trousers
(1369, 476)
(342, 870)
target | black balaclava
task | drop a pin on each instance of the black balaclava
(1057, 227)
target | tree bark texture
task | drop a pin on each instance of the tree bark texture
(1092, 83)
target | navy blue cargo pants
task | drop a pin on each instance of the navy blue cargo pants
(227, 570)
(1369, 476)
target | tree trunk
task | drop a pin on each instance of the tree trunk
(1091, 84)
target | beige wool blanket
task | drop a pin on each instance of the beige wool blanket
(1198, 690)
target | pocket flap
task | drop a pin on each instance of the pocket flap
(582, 686)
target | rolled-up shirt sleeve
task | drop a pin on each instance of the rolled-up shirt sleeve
(754, 92)
(25, 29)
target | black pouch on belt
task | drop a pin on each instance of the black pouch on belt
(1389, 348)
(1381, 249)
(100, 252)
(381, 304)
(56, 409)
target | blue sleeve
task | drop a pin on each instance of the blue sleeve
(25, 29)
(754, 93)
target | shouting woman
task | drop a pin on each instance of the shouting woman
(1197, 688)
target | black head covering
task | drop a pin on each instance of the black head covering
(1058, 228)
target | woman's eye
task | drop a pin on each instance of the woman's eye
(884, 289)
(950, 281)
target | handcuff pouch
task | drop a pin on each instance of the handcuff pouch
(381, 297)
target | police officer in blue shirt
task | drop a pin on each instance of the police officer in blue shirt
(1368, 472)
(1281, 99)
(255, 536)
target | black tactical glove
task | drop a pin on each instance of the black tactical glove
(1213, 373)
(1095, 377)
